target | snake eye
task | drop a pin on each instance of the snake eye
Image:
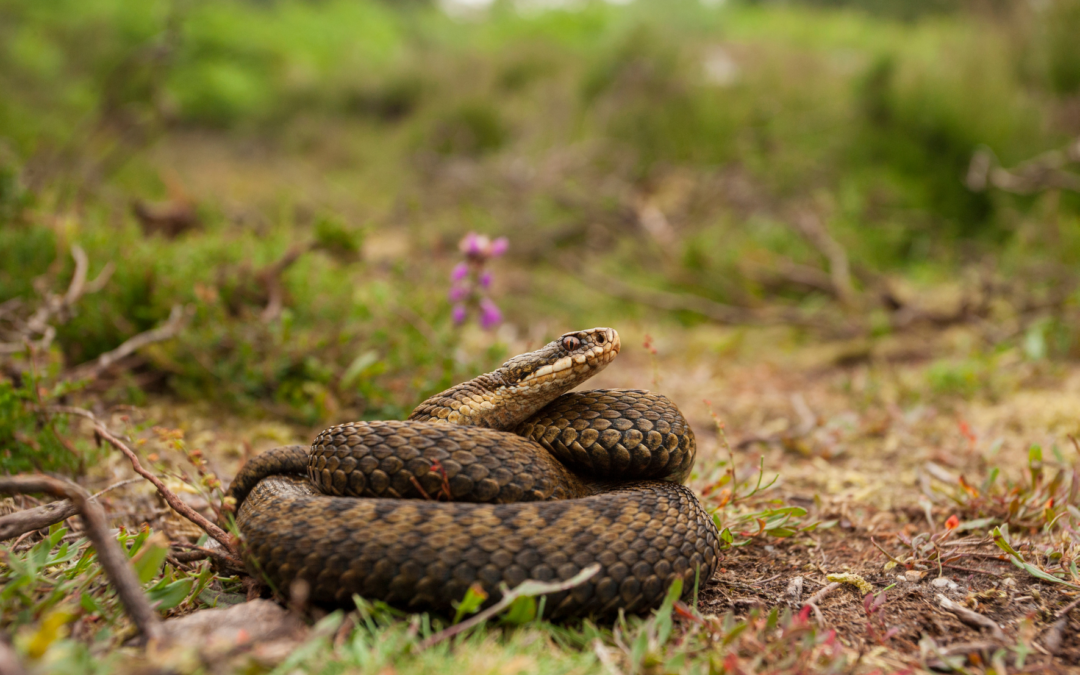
(570, 343)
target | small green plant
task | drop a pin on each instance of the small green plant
(1033, 503)
(751, 522)
(31, 439)
(473, 129)
(57, 583)
(965, 378)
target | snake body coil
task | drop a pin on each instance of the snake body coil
(529, 473)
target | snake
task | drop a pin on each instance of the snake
(507, 477)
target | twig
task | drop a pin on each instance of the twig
(169, 329)
(1055, 634)
(29, 520)
(815, 232)
(102, 278)
(972, 570)
(524, 589)
(887, 554)
(170, 498)
(1042, 172)
(812, 603)
(78, 279)
(52, 308)
(203, 552)
(1068, 608)
(112, 558)
(820, 595)
(971, 618)
(270, 278)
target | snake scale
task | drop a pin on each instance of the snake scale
(497, 480)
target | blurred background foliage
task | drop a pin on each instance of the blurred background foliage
(299, 173)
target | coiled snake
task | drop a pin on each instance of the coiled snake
(515, 512)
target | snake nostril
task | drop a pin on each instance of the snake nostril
(600, 338)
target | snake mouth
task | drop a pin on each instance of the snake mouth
(573, 358)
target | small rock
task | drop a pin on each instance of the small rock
(944, 582)
(249, 624)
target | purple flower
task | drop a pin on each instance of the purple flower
(490, 316)
(461, 270)
(474, 244)
(458, 313)
(485, 279)
(458, 293)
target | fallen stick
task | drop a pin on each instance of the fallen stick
(169, 329)
(170, 498)
(201, 553)
(46, 515)
(812, 603)
(814, 231)
(820, 595)
(1042, 172)
(973, 570)
(270, 278)
(971, 618)
(52, 306)
(1055, 634)
(110, 555)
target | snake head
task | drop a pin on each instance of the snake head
(523, 385)
(564, 363)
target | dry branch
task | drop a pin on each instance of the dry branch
(46, 515)
(201, 553)
(1042, 172)
(170, 498)
(971, 618)
(270, 278)
(815, 232)
(168, 330)
(113, 559)
(1055, 634)
(823, 593)
(812, 603)
(37, 331)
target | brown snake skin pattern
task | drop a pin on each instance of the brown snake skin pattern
(415, 512)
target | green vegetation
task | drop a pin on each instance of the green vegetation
(296, 176)
(726, 120)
